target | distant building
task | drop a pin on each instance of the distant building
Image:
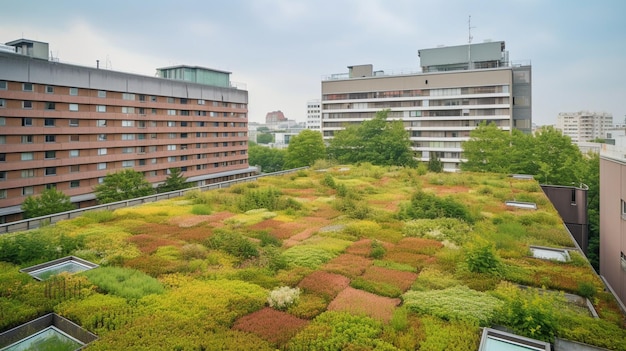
(274, 117)
(584, 125)
(459, 87)
(613, 218)
(66, 126)
(314, 115)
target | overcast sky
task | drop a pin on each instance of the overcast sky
(281, 49)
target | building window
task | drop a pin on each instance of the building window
(27, 156)
(51, 186)
(172, 135)
(74, 153)
(102, 137)
(27, 139)
(3, 85)
(74, 137)
(128, 96)
(128, 109)
(28, 173)
(28, 190)
(51, 138)
(130, 163)
(183, 101)
(74, 168)
(50, 106)
(74, 183)
(183, 123)
(101, 123)
(27, 86)
(102, 151)
(128, 123)
(128, 136)
(183, 135)
(200, 102)
(3, 103)
(27, 105)
(74, 107)
(142, 162)
(128, 150)
(73, 122)
(171, 124)
(101, 108)
(171, 148)
(3, 157)
(27, 122)
(170, 100)
(171, 159)
(141, 124)
(102, 166)
(142, 98)
(50, 155)
(74, 91)
(102, 94)
(153, 98)
(171, 112)
(623, 209)
(48, 122)
(50, 171)
(3, 194)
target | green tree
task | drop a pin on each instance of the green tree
(434, 163)
(264, 138)
(549, 155)
(487, 150)
(174, 181)
(123, 185)
(376, 141)
(304, 149)
(269, 159)
(50, 201)
(554, 159)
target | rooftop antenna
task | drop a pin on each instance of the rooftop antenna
(469, 42)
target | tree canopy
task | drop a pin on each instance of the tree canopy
(377, 141)
(174, 181)
(123, 185)
(50, 201)
(548, 155)
(304, 149)
(264, 138)
(269, 159)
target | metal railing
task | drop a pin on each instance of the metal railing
(37, 222)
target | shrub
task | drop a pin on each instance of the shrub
(425, 205)
(528, 312)
(201, 209)
(378, 250)
(283, 297)
(482, 258)
(328, 181)
(232, 243)
(586, 289)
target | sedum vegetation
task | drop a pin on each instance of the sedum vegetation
(349, 257)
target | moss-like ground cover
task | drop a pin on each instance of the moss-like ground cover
(384, 258)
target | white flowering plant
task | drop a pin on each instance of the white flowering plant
(283, 297)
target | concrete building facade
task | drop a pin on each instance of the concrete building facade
(613, 218)
(458, 88)
(66, 127)
(583, 126)
(314, 115)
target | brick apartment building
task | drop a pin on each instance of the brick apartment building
(67, 126)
